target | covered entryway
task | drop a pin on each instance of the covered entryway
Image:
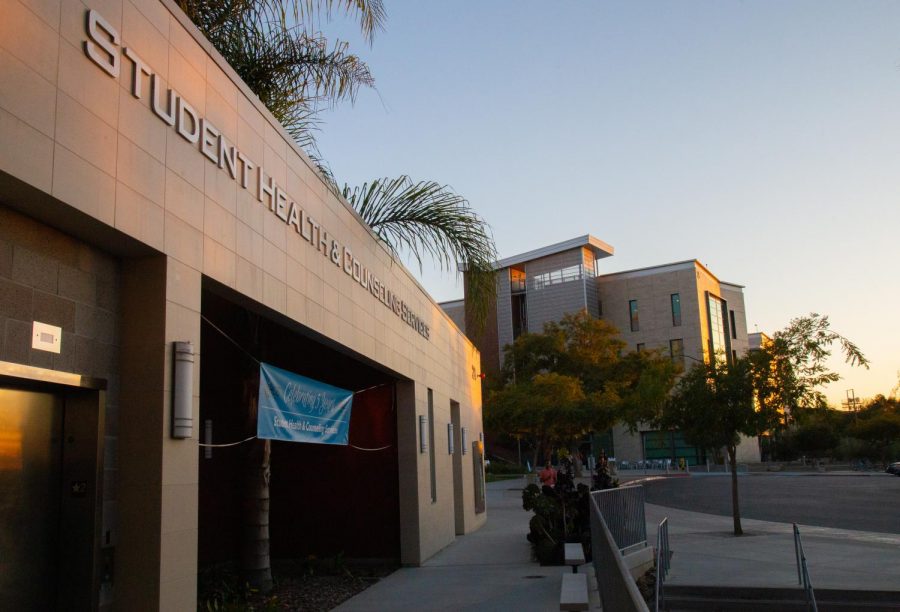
(325, 500)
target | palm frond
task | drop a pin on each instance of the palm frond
(427, 219)
(293, 70)
(371, 13)
(424, 219)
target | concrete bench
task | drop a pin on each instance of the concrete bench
(574, 556)
(574, 592)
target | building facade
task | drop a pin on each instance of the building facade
(681, 308)
(147, 198)
(685, 311)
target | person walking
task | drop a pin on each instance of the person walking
(548, 475)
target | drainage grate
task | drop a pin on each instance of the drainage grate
(533, 577)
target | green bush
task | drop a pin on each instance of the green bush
(502, 467)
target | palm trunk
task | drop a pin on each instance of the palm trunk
(255, 561)
(735, 508)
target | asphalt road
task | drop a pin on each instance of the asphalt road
(865, 503)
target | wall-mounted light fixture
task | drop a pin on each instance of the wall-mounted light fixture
(183, 391)
(423, 433)
(465, 440)
(450, 441)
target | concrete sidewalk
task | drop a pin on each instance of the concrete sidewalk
(490, 569)
(705, 552)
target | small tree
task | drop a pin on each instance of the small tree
(790, 371)
(585, 352)
(713, 405)
(879, 427)
(549, 408)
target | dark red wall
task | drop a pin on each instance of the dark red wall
(325, 499)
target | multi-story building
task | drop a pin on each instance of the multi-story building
(681, 308)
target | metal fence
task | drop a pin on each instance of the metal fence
(617, 588)
(623, 511)
(663, 559)
(803, 572)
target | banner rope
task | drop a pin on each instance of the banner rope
(370, 449)
(225, 445)
(230, 339)
(245, 351)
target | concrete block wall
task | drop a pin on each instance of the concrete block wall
(53, 278)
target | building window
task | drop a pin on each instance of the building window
(733, 326)
(633, 314)
(719, 342)
(564, 275)
(733, 356)
(676, 350)
(599, 308)
(640, 347)
(676, 309)
(516, 280)
(431, 445)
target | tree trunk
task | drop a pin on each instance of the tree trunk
(735, 508)
(576, 461)
(255, 561)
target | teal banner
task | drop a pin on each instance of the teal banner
(298, 409)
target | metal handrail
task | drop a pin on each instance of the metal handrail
(803, 572)
(623, 511)
(663, 561)
(617, 588)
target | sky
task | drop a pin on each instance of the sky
(761, 137)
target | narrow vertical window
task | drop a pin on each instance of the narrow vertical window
(633, 314)
(733, 326)
(599, 308)
(676, 309)
(431, 445)
(640, 347)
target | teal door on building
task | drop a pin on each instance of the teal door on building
(670, 445)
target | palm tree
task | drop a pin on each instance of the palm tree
(276, 48)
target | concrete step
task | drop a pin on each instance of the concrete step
(684, 598)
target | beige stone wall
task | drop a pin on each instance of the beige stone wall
(705, 282)
(652, 288)
(653, 292)
(79, 151)
(747, 450)
(734, 295)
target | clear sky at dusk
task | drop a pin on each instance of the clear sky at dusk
(760, 137)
